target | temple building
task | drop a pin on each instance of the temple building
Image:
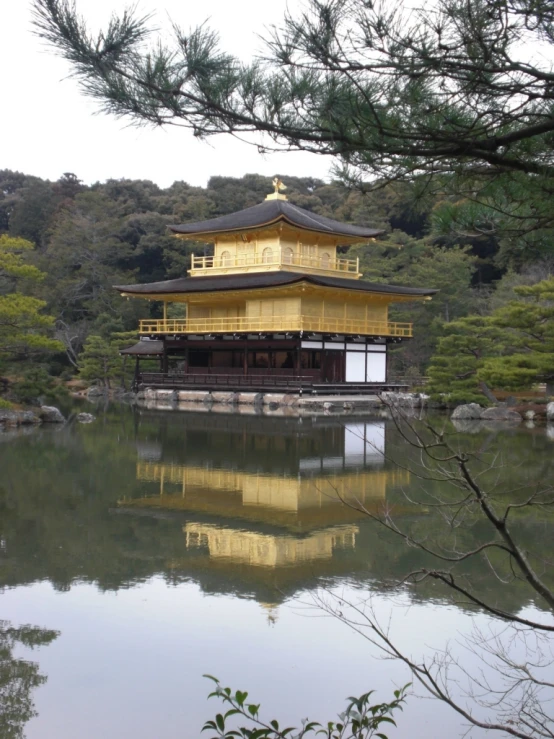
(275, 307)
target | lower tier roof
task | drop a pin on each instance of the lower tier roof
(262, 280)
(145, 348)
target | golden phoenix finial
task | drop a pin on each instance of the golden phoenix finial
(277, 185)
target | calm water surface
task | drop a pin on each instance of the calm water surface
(151, 547)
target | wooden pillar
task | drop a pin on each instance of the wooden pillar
(187, 358)
(298, 363)
(165, 363)
(245, 360)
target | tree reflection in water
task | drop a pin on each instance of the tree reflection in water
(19, 677)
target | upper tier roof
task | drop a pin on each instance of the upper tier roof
(264, 280)
(270, 212)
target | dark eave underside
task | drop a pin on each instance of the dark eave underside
(272, 211)
(262, 280)
(145, 348)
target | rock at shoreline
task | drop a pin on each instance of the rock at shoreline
(50, 414)
(550, 412)
(467, 412)
(18, 418)
(501, 413)
(95, 391)
(413, 400)
(85, 418)
(474, 412)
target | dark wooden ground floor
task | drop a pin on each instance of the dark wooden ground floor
(260, 383)
(263, 362)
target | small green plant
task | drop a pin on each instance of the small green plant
(360, 720)
(5, 405)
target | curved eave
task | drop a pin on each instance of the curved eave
(268, 214)
(195, 286)
(209, 236)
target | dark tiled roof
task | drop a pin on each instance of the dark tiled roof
(256, 280)
(145, 348)
(272, 211)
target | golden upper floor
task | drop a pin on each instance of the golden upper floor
(272, 236)
(273, 254)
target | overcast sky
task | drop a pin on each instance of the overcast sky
(48, 127)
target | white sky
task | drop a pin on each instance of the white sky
(48, 127)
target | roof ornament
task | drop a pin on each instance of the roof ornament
(276, 195)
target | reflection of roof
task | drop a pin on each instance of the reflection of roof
(274, 211)
(255, 280)
(144, 348)
(265, 550)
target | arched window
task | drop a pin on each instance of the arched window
(287, 255)
(226, 259)
(325, 259)
(267, 255)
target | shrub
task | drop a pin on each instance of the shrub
(360, 720)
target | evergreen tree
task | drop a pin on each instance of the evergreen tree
(24, 327)
(512, 349)
(528, 324)
(99, 361)
(121, 340)
(461, 352)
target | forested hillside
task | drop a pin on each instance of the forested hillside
(84, 239)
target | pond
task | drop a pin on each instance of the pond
(151, 547)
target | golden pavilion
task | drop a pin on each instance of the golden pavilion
(275, 307)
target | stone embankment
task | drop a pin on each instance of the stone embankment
(285, 403)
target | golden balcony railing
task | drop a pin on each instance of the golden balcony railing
(277, 324)
(278, 259)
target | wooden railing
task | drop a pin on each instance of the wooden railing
(278, 259)
(280, 324)
(211, 380)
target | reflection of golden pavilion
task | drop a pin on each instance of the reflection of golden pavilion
(266, 505)
(300, 503)
(267, 550)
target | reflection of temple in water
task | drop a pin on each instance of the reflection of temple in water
(265, 550)
(269, 508)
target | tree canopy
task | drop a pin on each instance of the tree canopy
(512, 348)
(24, 327)
(446, 95)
